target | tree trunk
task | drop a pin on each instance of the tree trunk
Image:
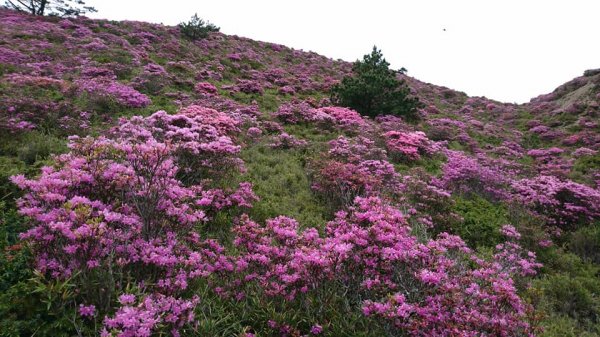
(42, 7)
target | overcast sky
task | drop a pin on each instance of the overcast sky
(509, 50)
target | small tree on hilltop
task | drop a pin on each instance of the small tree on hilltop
(374, 89)
(196, 28)
(50, 7)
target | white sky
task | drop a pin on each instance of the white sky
(509, 50)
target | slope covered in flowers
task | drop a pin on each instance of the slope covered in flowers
(152, 185)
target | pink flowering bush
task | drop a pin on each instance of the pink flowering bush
(152, 312)
(205, 88)
(353, 167)
(564, 202)
(355, 150)
(43, 105)
(369, 252)
(103, 91)
(294, 112)
(198, 138)
(465, 174)
(340, 117)
(408, 145)
(284, 260)
(152, 79)
(438, 293)
(428, 205)
(224, 123)
(327, 117)
(416, 286)
(126, 205)
(341, 182)
(249, 87)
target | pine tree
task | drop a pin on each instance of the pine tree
(196, 28)
(374, 89)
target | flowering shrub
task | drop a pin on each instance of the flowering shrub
(100, 90)
(205, 88)
(550, 162)
(408, 145)
(343, 118)
(153, 311)
(152, 79)
(465, 174)
(342, 182)
(438, 294)
(197, 137)
(428, 204)
(43, 105)
(564, 203)
(121, 205)
(284, 260)
(369, 250)
(340, 117)
(294, 112)
(354, 150)
(224, 123)
(286, 141)
(249, 87)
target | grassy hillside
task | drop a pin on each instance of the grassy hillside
(153, 185)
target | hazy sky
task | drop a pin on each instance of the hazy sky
(509, 50)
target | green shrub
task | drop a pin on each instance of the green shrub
(9, 166)
(564, 326)
(482, 221)
(572, 296)
(585, 242)
(374, 89)
(196, 28)
(37, 146)
(586, 164)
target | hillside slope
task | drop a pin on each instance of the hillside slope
(153, 185)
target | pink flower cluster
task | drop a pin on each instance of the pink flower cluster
(151, 312)
(354, 167)
(284, 260)
(327, 117)
(408, 145)
(102, 88)
(425, 288)
(205, 88)
(564, 202)
(465, 174)
(128, 203)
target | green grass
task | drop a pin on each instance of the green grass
(281, 182)
(482, 221)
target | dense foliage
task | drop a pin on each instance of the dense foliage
(155, 185)
(374, 89)
(196, 28)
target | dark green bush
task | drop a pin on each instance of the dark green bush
(572, 296)
(196, 28)
(585, 242)
(37, 146)
(482, 221)
(374, 89)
